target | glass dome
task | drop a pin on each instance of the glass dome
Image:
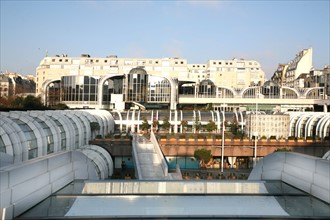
(206, 87)
(270, 89)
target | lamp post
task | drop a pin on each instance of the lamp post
(223, 140)
(256, 133)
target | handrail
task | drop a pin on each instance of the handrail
(138, 172)
(159, 153)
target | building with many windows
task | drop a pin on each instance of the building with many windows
(171, 83)
(292, 73)
(116, 83)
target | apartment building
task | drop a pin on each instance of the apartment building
(301, 64)
(229, 73)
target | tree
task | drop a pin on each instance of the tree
(32, 102)
(155, 124)
(184, 125)
(60, 106)
(166, 124)
(211, 126)
(95, 126)
(203, 155)
(197, 125)
(209, 106)
(145, 125)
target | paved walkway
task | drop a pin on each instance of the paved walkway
(147, 159)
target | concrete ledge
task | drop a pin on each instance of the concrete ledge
(25, 184)
(320, 193)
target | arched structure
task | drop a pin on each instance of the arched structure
(250, 92)
(270, 90)
(45, 86)
(289, 93)
(314, 93)
(225, 92)
(206, 88)
(309, 124)
(32, 134)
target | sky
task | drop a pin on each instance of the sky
(270, 32)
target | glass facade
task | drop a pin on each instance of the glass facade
(53, 93)
(136, 85)
(49, 135)
(80, 89)
(206, 87)
(30, 138)
(114, 85)
(159, 90)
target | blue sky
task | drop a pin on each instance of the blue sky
(270, 32)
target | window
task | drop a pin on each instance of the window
(105, 61)
(182, 62)
(60, 60)
(176, 62)
(220, 63)
(214, 63)
(66, 60)
(53, 60)
(156, 62)
(97, 61)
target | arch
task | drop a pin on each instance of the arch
(300, 124)
(39, 115)
(100, 87)
(311, 122)
(20, 148)
(293, 119)
(284, 94)
(252, 92)
(33, 132)
(326, 128)
(319, 90)
(225, 92)
(320, 125)
(44, 86)
(67, 136)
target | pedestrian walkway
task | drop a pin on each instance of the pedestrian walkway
(150, 163)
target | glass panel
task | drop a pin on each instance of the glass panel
(161, 199)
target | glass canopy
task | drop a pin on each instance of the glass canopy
(179, 200)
